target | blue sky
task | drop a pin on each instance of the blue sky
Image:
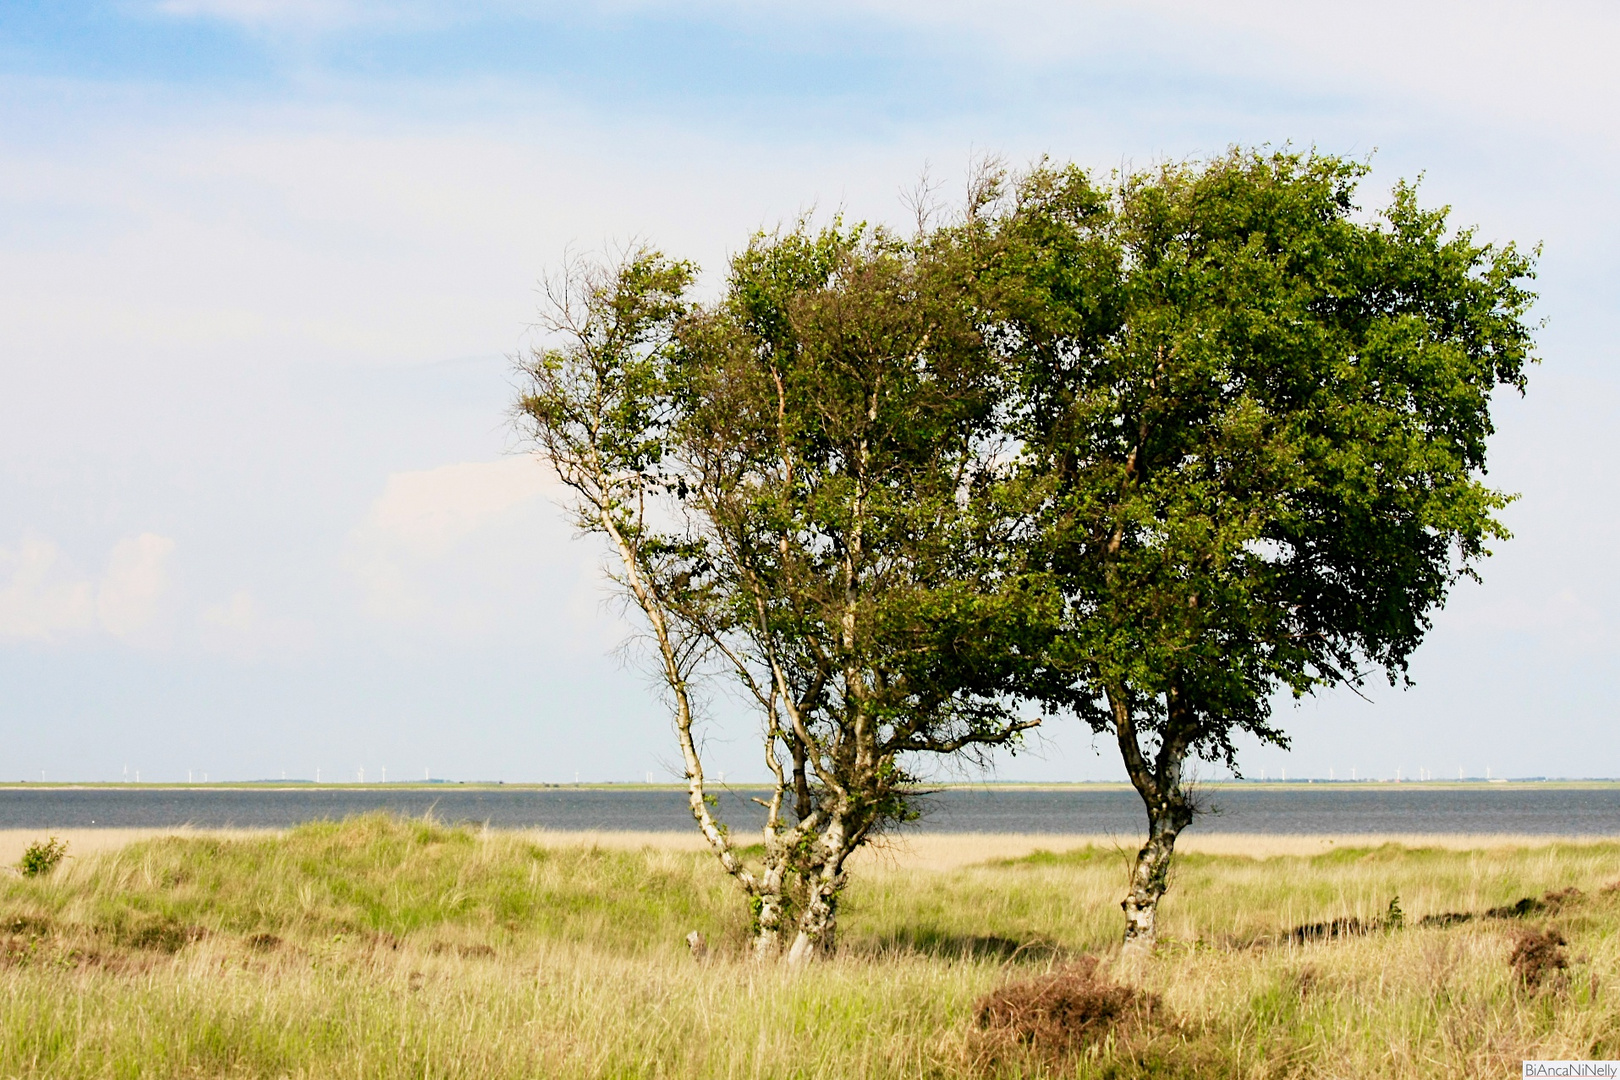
(263, 266)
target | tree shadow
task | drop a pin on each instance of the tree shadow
(928, 941)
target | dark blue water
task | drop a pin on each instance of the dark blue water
(1326, 808)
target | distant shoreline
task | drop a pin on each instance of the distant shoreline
(1471, 783)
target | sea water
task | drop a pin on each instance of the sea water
(1237, 808)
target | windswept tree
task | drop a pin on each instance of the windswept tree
(1258, 422)
(603, 408)
(803, 483)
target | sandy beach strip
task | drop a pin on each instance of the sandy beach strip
(920, 851)
(13, 842)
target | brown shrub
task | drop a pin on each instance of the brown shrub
(1446, 918)
(15, 952)
(1562, 898)
(1524, 907)
(111, 961)
(1551, 903)
(1537, 955)
(264, 942)
(1059, 1013)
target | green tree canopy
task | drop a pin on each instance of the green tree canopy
(802, 482)
(1152, 452)
(842, 447)
(1256, 421)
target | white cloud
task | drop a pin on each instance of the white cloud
(337, 15)
(42, 596)
(239, 627)
(1548, 63)
(127, 602)
(1543, 63)
(237, 615)
(1563, 619)
(343, 245)
(473, 551)
(422, 517)
(427, 513)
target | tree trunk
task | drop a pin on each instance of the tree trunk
(801, 781)
(818, 922)
(765, 891)
(769, 899)
(1169, 810)
(768, 928)
(1150, 876)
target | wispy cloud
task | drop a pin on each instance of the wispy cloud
(233, 233)
(44, 598)
(40, 596)
(304, 14)
(421, 518)
(239, 627)
(1550, 60)
(136, 579)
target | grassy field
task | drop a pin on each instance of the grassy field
(386, 948)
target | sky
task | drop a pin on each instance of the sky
(264, 267)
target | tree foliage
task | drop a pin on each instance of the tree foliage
(823, 448)
(1150, 451)
(1260, 421)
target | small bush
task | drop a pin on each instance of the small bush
(27, 926)
(42, 857)
(1058, 1014)
(1537, 955)
(1394, 917)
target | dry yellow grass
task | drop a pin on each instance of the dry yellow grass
(379, 948)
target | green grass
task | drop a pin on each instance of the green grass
(385, 948)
